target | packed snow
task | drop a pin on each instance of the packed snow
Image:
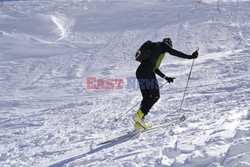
(50, 117)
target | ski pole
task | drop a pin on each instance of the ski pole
(183, 117)
(116, 119)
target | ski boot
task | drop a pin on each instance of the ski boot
(139, 121)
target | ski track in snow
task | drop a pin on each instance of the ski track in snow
(49, 118)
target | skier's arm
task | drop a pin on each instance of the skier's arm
(177, 53)
(158, 72)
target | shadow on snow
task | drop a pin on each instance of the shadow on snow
(93, 151)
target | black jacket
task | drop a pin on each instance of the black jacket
(158, 50)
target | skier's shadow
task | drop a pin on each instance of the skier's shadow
(99, 148)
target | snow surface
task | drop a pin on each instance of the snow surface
(49, 48)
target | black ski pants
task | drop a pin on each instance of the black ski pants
(148, 85)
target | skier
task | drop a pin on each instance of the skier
(146, 77)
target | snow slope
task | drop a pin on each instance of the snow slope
(48, 117)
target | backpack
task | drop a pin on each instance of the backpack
(143, 53)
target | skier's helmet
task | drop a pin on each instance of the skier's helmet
(168, 41)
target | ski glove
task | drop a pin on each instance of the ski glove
(169, 79)
(194, 55)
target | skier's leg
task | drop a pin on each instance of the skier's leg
(145, 101)
(142, 75)
(154, 95)
(149, 88)
(150, 98)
